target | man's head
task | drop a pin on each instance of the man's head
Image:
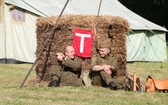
(104, 47)
(70, 52)
(104, 52)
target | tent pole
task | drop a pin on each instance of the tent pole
(4, 22)
(38, 56)
(99, 8)
(95, 23)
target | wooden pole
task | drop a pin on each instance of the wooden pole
(99, 8)
(46, 41)
(134, 87)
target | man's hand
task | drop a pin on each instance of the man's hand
(98, 68)
(60, 56)
(106, 68)
(108, 72)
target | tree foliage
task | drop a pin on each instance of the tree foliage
(153, 10)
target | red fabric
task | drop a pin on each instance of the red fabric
(82, 42)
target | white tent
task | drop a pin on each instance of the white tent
(145, 42)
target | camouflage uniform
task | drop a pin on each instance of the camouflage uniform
(66, 72)
(101, 78)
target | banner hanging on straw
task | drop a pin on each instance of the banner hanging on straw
(82, 42)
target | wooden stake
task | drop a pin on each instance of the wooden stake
(134, 88)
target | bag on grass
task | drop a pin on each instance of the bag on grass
(153, 85)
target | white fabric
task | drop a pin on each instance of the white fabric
(20, 37)
(25, 5)
(18, 41)
(2, 32)
(2, 39)
(145, 46)
(108, 7)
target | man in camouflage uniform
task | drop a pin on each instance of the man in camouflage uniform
(102, 67)
(66, 69)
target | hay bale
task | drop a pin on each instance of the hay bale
(63, 34)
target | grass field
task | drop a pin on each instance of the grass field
(12, 75)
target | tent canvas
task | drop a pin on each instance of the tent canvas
(18, 40)
(145, 42)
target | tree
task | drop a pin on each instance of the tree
(153, 10)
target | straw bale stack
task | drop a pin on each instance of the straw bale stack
(63, 34)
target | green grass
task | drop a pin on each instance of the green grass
(12, 75)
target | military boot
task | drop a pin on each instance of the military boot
(54, 83)
(113, 86)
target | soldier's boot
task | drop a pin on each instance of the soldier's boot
(113, 86)
(54, 83)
